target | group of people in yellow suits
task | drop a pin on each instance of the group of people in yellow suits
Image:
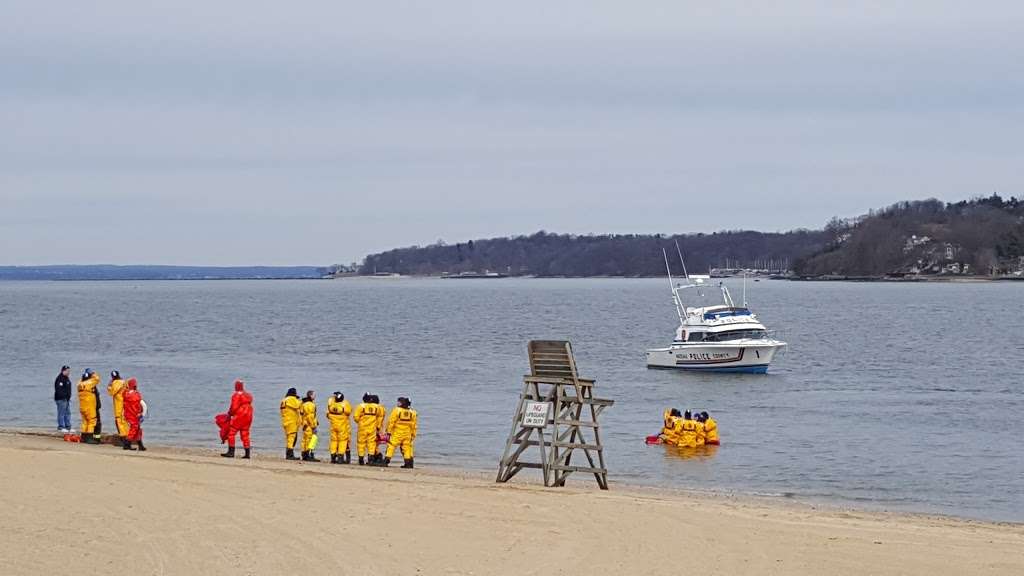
(689, 430)
(128, 422)
(373, 426)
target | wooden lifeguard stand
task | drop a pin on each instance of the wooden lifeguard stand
(557, 413)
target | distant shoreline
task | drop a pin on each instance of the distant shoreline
(908, 280)
(915, 279)
(141, 272)
(151, 279)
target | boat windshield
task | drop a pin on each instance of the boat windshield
(727, 336)
(716, 314)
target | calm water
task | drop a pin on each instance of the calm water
(905, 397)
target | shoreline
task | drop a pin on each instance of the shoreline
(785, 500)
(182, 512)
(827, 278)
(906, 279)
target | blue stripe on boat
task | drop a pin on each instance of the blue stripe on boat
(763, 369)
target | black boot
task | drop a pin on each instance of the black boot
(305, 456)
(361, 461)
(141, 447)
(248, 453)
(230, 453)
(313, 458)
(334, 458)
(408, 463)
(289, 454)
(348, 457)
(126, 445)
(386, 462)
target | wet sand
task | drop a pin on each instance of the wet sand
(72, 508)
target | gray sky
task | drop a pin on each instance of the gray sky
(313, 133)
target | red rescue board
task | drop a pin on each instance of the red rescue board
(223, 421)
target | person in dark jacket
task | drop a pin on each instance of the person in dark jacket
(62, 397)
(99, 417)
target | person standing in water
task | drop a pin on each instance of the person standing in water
(710, 430)
(668, 430)
(62, 397)
(116, 389)
(699, 436)
(686, 431)
(134, 414)
(290, 420)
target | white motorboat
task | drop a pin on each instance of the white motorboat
(720, 338)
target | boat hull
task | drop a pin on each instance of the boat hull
(744, 357)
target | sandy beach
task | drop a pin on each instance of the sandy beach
(71, 508)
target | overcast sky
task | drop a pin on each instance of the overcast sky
(314, 133)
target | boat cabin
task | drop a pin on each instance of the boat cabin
(722, 336)
(720, 324)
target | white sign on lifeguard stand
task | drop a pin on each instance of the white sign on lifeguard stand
(535, 414)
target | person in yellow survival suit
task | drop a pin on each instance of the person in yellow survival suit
(710, 430)
(290, 420)
(402, 426)
(88, 406)
(309, 426)
(698, 423)
(668, 430)
(116, 389)
(382, 415)
(686, 430)
(368, 417)
(338, 413)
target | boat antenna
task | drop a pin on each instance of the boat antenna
(672, 285)
(668, 269)
(681, 261)
(744, 288)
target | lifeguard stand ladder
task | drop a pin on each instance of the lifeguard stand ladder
(557, 412)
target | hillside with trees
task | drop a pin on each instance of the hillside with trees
(544, 254)
(983, 236)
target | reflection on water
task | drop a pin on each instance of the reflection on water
(859, 409)
(704, 452)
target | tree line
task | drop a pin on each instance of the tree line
(546, 254)
(983, 235)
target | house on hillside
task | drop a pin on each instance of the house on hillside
(914, 242)
(951, 251)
